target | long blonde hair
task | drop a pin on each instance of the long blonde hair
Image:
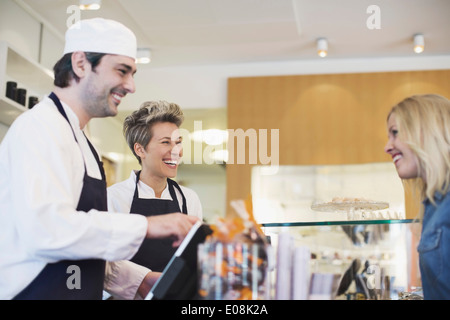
(423, 123)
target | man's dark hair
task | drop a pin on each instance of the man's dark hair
(64, 72)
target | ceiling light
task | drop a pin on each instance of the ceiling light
(90, 4)
(220, 156)
(212, 137)
(143, 55)
(322, 47)
(419, 43)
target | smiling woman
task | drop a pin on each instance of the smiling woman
(419, 143)
(418, 140)
(152, 133)
(405, 160)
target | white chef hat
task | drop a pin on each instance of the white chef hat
(102, 36)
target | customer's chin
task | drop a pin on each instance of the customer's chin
(407, 175)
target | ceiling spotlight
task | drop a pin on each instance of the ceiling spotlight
(322, 47)
(90, 4)
(419, 43)
(143, 55)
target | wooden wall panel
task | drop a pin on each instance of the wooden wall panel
(323, 119)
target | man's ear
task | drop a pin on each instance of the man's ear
(79, 63)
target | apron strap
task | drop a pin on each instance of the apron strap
(61, 110)
(171, 184)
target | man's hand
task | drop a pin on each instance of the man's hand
(172, 225)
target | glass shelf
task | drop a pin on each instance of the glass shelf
(336, 223)
(377, 253)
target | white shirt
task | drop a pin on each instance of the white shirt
(41, 177)
(120, 196)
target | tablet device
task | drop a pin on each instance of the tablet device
(179, 278)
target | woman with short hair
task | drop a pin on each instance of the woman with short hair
(153, 136)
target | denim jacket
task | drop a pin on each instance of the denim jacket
(434, 248)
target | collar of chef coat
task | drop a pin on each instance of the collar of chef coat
(147, 192)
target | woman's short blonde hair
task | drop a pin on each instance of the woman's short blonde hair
(423, 122)
(137, 127)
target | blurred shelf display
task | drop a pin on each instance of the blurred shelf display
(352, 260)
(339, 231)
(31, 79)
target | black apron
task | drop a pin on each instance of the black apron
(52, 282)
(156, 253)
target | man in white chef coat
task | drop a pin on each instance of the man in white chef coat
(55, 234)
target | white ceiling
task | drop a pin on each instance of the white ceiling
(194, 32)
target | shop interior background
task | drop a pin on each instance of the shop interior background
(197, 45)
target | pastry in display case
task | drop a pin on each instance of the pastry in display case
(350, 204)
(357, 209)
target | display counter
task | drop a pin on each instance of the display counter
(367, 259)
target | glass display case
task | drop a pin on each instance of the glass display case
(367, 259)
(290, 193)
(338, 231)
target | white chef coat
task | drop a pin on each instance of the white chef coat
(120, 196)
(41, 175)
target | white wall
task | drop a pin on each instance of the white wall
(206, 86)
(22, 29)
(19, 28)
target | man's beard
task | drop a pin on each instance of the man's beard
(97, 103)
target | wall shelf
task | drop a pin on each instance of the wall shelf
(30, 75)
